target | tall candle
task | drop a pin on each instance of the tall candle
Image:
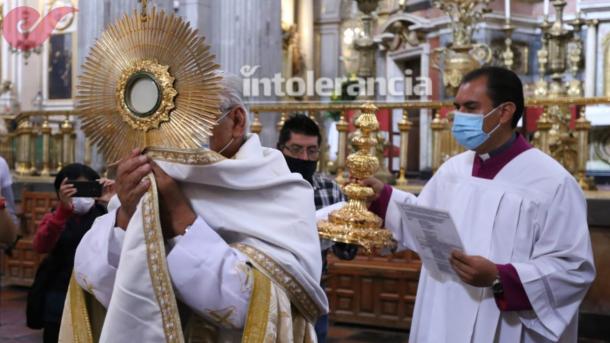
(507, 8)
(577, 6)
(546, 7)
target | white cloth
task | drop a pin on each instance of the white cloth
(532, 215)
(197, 263)
(6, 189)
(5, 174)
(251, 199)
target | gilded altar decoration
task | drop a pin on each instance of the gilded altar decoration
(354, 223)
(462, 55)
(560, 55)
(365, 44)
(149, 82)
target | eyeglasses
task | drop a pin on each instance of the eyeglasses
(296, 150)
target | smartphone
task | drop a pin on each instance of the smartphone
(87, 189)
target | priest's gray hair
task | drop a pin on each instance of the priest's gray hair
(231, 94)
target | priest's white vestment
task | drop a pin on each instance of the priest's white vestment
(247, 268)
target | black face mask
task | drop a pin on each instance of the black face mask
(303, 167)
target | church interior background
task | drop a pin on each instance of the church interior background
(560, 49)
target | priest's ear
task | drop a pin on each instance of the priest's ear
(507, 111)
(239, 122)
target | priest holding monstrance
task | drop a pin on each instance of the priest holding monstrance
(211, 238)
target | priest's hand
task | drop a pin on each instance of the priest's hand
(474, 270)
(176, 211)
(131, 185)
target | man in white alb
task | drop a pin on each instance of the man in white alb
(522, 219)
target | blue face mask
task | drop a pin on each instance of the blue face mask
(468, 129)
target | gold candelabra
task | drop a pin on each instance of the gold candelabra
(404, 126)
(541, 87)
(582, 127)
(354, 223)
(365, 44)
(46, 132)
(560, 55)
(24, 133)
(342, 127)
(461, 55)
(508, 57)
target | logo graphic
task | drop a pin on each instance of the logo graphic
(19, 31)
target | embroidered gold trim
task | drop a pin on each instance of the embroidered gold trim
(298, 296)
(222, 317)
(257, 320)
(159, 275)
(81, 325)
(185, 156)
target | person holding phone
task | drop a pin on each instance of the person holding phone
(59, 233)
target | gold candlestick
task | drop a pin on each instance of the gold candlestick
(541, 87)
(68, 140)
(33, 137)
(342, 127)
(24, 133)
(582, 127)
(282, 120)
(404, 126)
(438, 127)
(45, 130)
(354, 223)
(57, 151)
(508, 57)
(544, 125)
(256, 126)
(575, 88)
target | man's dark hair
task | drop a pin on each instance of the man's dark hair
(503, 85)
(74, 171)
(298, 123)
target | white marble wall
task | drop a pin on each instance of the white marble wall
(599, 10)
(327, 14)
(242, 33)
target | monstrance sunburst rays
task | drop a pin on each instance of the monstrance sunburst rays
(166, 47)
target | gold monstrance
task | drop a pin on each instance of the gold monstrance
(354, 223)
(148, 82)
